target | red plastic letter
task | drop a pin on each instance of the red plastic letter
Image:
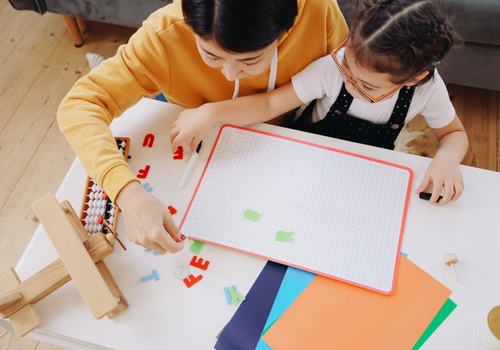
(199, 263)
(148, 140)
(191, 280)
(172, 210)
(179, 153)
(143, 172)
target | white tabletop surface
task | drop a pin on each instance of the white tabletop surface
(165, 314)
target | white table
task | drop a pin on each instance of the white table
(165, 314)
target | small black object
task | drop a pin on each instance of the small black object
(427, 196)
(129, 157)
(199, 147)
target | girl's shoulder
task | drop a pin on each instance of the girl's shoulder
(435, 87)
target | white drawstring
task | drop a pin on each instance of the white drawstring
(273, 72)
(236, 88)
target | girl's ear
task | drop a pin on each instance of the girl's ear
(417, 78)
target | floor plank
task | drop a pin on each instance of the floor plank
(9, 341)
(15, 28)
(478, 111)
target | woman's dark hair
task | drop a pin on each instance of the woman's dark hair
(401, 37)
(240, 26)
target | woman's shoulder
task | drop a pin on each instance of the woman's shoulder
(166, 18)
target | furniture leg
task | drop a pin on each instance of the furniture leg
(73, 30)
(82, 24)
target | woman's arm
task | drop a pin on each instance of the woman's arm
(444, 170)
(243, 110)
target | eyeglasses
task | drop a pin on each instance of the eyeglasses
(363, 93)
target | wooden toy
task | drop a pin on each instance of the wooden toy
(97, 208)
(451, 259)
(81, 260)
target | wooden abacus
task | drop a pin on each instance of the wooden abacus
(81, 260)
(97, 208)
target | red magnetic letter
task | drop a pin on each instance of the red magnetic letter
(191, 280)
(179, 153)
(172, 210)
(148, 140)
(143, 172)
(199, 263)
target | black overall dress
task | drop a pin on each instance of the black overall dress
(337, 123)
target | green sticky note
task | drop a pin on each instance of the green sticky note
(196, 246)
(443, 313)
(235, 296)
(283, 236)
(251, 215)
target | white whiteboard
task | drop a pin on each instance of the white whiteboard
(346, 212)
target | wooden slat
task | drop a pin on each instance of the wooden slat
(113, 287)
(25, 320)
(8, 280)
(76, 259)
(75, 221)
(7, 300)
(54, 276)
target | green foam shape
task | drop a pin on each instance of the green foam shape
(235, 296)
(251, 215)
(283, 236)
(196, 246)
(443, 313)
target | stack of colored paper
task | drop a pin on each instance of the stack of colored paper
(314, 312)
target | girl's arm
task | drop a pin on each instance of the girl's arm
(444, 170)
(243, 110)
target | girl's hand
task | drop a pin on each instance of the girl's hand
(148, 223)
(443, 174)
(191, 123)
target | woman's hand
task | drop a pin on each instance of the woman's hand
(148, 223)
(191, 123)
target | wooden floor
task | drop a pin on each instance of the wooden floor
(38, 66)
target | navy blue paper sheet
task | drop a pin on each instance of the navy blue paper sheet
(244, 329)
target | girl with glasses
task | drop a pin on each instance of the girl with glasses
(381, 77)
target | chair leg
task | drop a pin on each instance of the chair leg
(82, 24)
(73, 30)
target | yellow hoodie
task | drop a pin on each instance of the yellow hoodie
(162, 56)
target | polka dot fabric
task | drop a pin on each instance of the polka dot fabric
(337, 123)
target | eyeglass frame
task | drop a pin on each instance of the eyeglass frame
(363, 93)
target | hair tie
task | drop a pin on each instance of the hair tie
(435, 63)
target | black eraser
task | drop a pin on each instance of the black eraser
(427, 196)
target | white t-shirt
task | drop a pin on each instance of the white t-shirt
(322, 80)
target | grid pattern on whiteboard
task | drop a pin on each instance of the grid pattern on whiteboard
(346, 212)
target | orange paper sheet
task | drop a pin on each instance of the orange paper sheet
(334, 315)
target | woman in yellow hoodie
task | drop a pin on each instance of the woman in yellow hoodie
(194, 52)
